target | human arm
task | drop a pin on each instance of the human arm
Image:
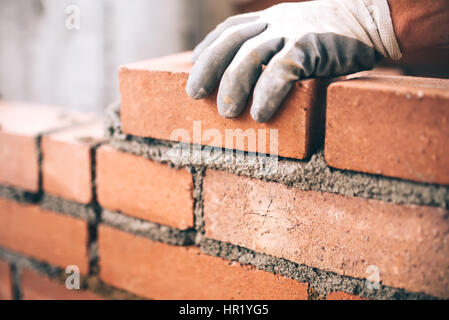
(296, 41)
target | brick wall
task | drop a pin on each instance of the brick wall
(352, 204)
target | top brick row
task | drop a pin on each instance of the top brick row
(394, 126)
(48, 148)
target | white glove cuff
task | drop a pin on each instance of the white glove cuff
(375, 17)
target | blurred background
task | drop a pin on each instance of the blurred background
(67, 52)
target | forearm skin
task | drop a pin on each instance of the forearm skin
(420, 24)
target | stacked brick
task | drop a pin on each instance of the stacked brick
(145, 213)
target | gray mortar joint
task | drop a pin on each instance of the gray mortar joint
(146, 229)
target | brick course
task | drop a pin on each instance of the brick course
(391, 126)
(37, 286)
(20, 125)
(407, 243)
(154, 104)
(160, 271)
(51, 237)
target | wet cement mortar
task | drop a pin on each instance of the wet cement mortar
(74, 209)
(147, 229)
(18, 195)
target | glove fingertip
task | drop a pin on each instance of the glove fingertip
(259, 116)
(228, 111)
(196, 93)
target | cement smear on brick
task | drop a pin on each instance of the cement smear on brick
(312, 174)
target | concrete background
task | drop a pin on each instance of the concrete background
(41, 60)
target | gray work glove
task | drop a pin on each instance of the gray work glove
(321, 38)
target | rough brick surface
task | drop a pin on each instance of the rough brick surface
(35, 286)
(20, 124)
(144, 189)
(393, 126)
(54, 238)
(155, 104)
(66, 164)
(408, 244)
(160, 271)
(19, 162)
(376, 72)
(343, 296)
(5, 281)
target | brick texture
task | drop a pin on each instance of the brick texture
(19, 162)
(5, 281)
(392, 126)
(155, 104)
(144, 189)
(37, 286)
(408, 244)
(66, 164)
(20, 124)
(54, 238)
(343, 296)
(160, 271)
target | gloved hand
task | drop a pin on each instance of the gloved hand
(322, 38)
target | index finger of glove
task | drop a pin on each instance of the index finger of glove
(214, 34)
(211, 64)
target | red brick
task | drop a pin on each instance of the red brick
(66, 164)
(409, 244)
(144, 189)
(47, 236)
(376, 72)
(19, 162)
(160, 271)
(20, 124)
(392, 126)
(5, 281)
(155, 103)
(37, 286)
(343, 296)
